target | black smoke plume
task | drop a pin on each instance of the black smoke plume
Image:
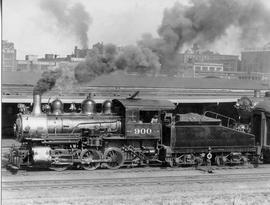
(70, 18)
(105, 59)
(204, 22)
(47, 81)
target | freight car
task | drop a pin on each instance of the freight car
(126, 132)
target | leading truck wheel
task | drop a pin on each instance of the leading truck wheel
(115, 158)
(88, 158)
(219, 161)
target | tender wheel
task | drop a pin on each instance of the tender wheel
(115, 157)
(243, 160)
(219, 160)
(198, 161)
(255, 161)
(87, 158)
(169, 161)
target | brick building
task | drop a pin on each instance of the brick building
(256, 59)
(34, 64)
(8, 56)
(228, 62)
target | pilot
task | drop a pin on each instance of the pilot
(154, 119)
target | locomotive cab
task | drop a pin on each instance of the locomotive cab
(142, 118)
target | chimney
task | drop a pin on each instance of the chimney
(76, 52)
(37, 104)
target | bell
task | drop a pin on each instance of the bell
(72, 107)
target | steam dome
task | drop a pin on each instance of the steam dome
(107, 107)
(57, 107)
(88, 106)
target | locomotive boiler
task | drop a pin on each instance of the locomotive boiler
(87, 139)
(48, 127)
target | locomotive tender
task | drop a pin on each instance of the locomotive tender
(128, 132)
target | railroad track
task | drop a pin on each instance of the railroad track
(134, 169)
(132, 181)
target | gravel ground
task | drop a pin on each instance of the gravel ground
(225, 191)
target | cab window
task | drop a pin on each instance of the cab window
(132, 116)
(149, 116)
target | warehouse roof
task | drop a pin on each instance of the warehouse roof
(138, 81)
(120, 79)
(146, 104)
(20, 78)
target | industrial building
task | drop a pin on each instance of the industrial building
(194, 56)
(33, 64)
(256, 59)
(8, 56)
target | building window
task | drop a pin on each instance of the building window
(204, 68)
(219, 69)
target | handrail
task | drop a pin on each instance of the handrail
(223, 116)
(88, 123)
(85, 123)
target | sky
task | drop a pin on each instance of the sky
(121, 22)
(35, 30)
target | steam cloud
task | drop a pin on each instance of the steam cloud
(72, 19)
(47, 81)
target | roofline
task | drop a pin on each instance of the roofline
(181, 99)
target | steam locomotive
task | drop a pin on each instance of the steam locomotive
(131, 132)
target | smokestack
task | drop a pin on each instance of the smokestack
(37, 104)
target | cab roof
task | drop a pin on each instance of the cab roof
(146, 104)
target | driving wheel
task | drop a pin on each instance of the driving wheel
(88, 159)
(115, 158)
